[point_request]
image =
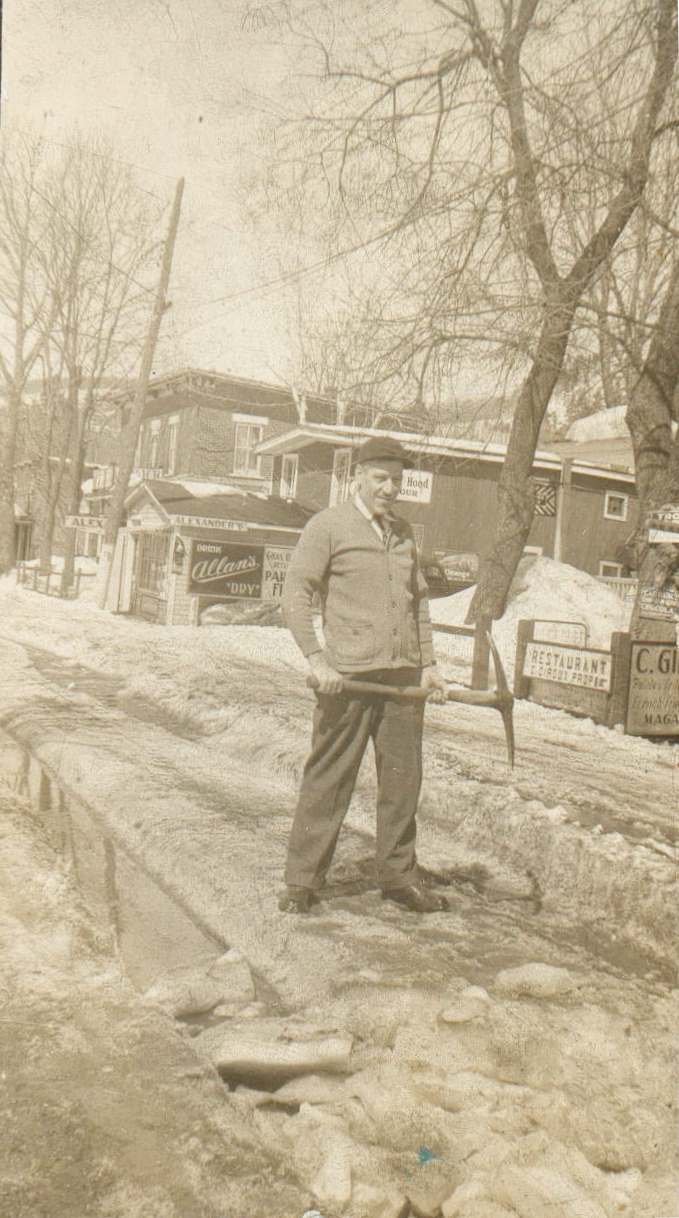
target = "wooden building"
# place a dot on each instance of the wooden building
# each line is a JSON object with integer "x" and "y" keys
{"x": 209, "y": 425}
{"x": 585, "y": 511}
{"x": 190, "y": 544}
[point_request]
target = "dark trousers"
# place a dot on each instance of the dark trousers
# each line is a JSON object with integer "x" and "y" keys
{"x": 342, "y": 727}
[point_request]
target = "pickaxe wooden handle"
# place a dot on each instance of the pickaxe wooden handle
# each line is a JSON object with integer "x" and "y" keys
{"x": 500, "y": 698}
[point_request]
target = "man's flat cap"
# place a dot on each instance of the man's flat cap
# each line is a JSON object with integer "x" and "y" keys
{"x": 383, "y": 449}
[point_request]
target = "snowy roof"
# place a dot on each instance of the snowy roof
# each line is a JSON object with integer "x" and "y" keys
{"x": 349, "y": 437}
{"x": 222, "y": 502}
{"x": 603, "y": 424}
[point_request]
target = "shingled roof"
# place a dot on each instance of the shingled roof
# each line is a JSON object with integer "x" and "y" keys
{"x": 176, "y": 497}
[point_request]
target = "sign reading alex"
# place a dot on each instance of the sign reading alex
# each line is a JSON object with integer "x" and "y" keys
{"x": 568, "y": 665}
{"x": 653, "y": 701}
{"x": 225, "y": 568}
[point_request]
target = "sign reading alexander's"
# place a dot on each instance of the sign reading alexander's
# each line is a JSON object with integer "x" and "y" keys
{"x": 225, "y": 568}
{"x": 568, "y": 665}
{"x": 653, "y": 701}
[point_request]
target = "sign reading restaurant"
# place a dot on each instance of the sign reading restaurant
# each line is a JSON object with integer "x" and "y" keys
{"x": 653, "y": 699}
{"x": 234, "y": 569}
{"x": 568, "y": 665}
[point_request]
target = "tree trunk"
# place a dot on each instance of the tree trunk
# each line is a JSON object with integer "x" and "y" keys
{"x": 8, "y": 439}
{"x": 73, "y": 502}
{"x": 516, "y": 491}
{"x": 47, "y": 534}
{"x": 128, "y": 439}
{"x": 656, "y": 454}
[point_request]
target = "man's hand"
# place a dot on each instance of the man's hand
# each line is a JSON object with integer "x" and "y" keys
{"x": 431, "y": 679}
{"x": 329, "y": 680}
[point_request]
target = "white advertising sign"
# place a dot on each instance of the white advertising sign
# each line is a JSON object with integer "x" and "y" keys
{"x": 416, "y": 485}
{"x": 568, "y": 665}
{"x": 85, "y": 522}
{"x": 209, "y": 522}
{"x": 276, "y": 562}
{"x": 573, "y": 633}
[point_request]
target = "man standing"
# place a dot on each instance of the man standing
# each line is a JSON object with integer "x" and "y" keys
{"x": 362, "y": 561}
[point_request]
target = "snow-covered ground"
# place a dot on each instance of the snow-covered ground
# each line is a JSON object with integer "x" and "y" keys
{"x": 188, "y": 743}
{"x": 547, "y": 591}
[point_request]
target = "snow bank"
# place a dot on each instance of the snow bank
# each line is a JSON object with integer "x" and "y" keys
{"x": 544, "y": 589}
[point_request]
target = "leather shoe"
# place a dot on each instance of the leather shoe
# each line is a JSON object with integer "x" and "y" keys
{"x": 416, "y": 898}
{"x": 296, "y": 900}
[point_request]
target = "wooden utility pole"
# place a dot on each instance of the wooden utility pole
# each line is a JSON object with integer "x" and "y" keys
{"x": 128, "y": 442}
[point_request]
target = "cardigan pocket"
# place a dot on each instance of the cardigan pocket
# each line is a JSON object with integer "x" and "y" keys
{"x": 352, "y": 640}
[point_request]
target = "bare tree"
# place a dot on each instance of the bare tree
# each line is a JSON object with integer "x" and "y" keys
{"x": 97, "y": 246}
{"x": 24, "y": 306}
{"x": 475, "y": 156}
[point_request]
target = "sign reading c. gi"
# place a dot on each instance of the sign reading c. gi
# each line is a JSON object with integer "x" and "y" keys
{"x": 653, "y": 700}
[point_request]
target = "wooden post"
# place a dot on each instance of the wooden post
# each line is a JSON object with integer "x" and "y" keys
{"x": 35, "y": 579}
{"x": 481, "y": 657}
{"x": 563, "y": 495}
{"x": 129, "y": 438}
{"x": 621, "y": 658}
{"x": 524, "y": 636}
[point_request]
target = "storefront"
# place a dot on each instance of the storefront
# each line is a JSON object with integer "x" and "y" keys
{"x": 189, "y": 545}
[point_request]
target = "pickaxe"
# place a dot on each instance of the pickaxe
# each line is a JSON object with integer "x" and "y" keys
{"x": 500, "y": 698}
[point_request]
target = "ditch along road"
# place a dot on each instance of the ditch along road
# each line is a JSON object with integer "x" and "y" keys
{"x": 569, "y": 861}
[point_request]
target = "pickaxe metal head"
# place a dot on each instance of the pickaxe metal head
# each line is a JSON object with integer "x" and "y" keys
{"x": 500, "y": 698}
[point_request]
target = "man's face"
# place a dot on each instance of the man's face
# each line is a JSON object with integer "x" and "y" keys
{"x": 379, "y": 484}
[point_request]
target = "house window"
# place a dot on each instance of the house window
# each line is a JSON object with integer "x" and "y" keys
{"x": 246, "y": 438}
{"x": 341, "y": 476}
{"x": 172, "y": 429}
{"x": 289, "y": 475}
{"x": 615, "y": 506}
{"x": 155, "y": 439}
{"x": 610, "y": 570}
{"x": 152, "y": 558}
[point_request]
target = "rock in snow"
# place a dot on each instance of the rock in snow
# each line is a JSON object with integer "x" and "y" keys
{"x": 310, "y": 1089}
{"x": 535, "y": 981}
{"x": 253, "y": 1051}
{"x": 195, "y": 991}
{"x": 374, "y": 1202}
{"x": 537, "y": 1192}
{"x": 233, "y": 973}
{"x": 190, "y": 993}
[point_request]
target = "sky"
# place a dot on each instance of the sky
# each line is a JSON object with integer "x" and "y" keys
{"x": 180, "y": 87}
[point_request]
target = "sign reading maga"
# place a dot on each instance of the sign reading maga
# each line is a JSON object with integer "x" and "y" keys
{"x": 653, "y": 699}
{"x": 568, "y": 665}
{"x": 228, "y": 569}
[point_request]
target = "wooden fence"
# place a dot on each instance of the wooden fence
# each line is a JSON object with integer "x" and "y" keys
{"x": 625, "y": 589}
{"x": 49, "y": 583}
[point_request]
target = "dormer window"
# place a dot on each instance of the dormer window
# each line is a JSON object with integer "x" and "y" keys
{"x": 289, "y": 467}
{"x": 248, "y": 433}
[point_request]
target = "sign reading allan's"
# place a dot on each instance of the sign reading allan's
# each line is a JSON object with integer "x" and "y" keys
{"x": 568, "y": 665}
{"x": 653, "y": 700}
{"x": 224, "y": 568}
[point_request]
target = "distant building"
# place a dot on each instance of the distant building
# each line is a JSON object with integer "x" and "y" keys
{"x": 585, "y": 510}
